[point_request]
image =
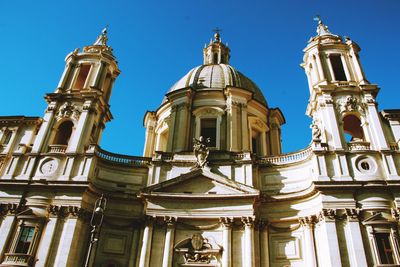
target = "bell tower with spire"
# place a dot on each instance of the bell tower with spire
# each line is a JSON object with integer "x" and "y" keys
{"x": 78, "y": 109}
{"x": 342, "y": 102}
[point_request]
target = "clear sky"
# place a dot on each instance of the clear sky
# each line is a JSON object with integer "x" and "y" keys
{"x": 157, "y": 42}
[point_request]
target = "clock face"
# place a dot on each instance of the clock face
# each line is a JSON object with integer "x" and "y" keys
{"x": 49, "y": 166}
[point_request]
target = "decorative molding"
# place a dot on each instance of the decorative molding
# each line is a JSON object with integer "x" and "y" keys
{"x": 248, "y": 222}
{"x": 327, "y": 215}
{"x": 68, "y": 110}
{"x": 309, "y": 221}
{"x": 226, "y": 222}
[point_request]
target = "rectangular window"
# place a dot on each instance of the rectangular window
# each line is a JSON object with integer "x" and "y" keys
{"x": 384, "y": 248}
{"x": 209, "y": 130}
{"x": 25, "y": 239}
{"x": 337, "y": 66}
{"x": 82, "y": 76}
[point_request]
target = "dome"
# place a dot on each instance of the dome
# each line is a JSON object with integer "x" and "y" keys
{"x": 218, "y": 76}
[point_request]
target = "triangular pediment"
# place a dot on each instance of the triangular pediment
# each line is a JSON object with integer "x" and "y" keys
{"x": 198, "y": 182}
{"x": 378, "y": 218}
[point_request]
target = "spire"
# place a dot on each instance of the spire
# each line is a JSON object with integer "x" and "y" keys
{"x": 102, "y": 39}
{"x": 322, "y": 29}
{"x": 216, "y": 52}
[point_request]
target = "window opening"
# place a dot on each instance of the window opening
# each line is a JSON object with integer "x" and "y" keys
{"x": 337, "y": 66}
{"x": 162, "y": 141}
{"x": 365, "y": 166}
{"x": 7, "y": 137}
{"x": 384, "y": 248}
{"x": 63, "y": 134}
{"x": 82, "y": 76}
{"x": 352, "y": 129}
{"x": 25, "y": 239}
{"x": 215, "y": 58}
{"x": 209, "y": 130}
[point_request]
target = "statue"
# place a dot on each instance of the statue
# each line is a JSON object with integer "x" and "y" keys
{"x": 201, "y": 151}
{"x": 102, "y": 39}
{"x": 316, "y": 132}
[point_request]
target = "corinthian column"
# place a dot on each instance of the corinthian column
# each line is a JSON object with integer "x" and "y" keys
{"x": 249, "y": 241}
{"x": 169, "y": 241}
{"x": 226, "y": 241}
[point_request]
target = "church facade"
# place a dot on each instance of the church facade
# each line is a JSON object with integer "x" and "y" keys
{"x": 212, "y": 187}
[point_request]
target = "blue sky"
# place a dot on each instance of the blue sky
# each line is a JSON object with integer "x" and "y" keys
{"x": 157, "y": 42}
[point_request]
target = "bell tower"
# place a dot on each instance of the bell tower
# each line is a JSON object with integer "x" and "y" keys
{"x": 78, "y": 109}
{"x": 342, "y": 102}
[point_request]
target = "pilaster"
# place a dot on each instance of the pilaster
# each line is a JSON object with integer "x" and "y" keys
{"x": 308, "y": 224}
{"x": 226, "y": 241}
{"x": 248, "y": 223}
{"x": 355, "y": 247}
{"x": 327, "y": 243}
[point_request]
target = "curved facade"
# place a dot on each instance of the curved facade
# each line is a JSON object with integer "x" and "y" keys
{"x": 235, "y": 200}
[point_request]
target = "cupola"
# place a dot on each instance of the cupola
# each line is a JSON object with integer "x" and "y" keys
{"x": 216, "y": 52}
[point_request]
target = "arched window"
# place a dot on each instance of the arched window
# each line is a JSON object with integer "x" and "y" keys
{"x": 352, "y": 129}
{"x": 63, "y": 134}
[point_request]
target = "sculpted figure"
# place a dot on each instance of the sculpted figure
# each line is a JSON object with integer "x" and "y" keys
{"x": 316, "y": 132}
{"x": 201, "y": 151}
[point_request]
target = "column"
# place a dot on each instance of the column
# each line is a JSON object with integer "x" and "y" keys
{"x": 64, "y": 76}
{"x": 264, "y": 243}
{"x": 226, "y": 241}
{"x": 181, "y": 137}
{"x": 376, "y": 125}
{"x": 245, "y": 130}
{"x": 249, "y": 241}
{"x": 146, "y": 243}
{"x": 233, "y": 125}
{"x": 171, "y": 129}
{"x": 332, "y": 123}
{"x": 356, "y": 250}
{"x": 82, "y": 129}
{"x": 134, "y": 247}
{"x": 169, "y": 241}
{"x": 308, "y": 224}
{"x": 319, "y": 67}
{"x": 327, "y": 243}
{"x": 45, "y": 129}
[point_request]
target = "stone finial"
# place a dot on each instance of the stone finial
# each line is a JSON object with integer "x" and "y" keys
{"x": 322, "y": 29}
{"x": 102, "y": 39}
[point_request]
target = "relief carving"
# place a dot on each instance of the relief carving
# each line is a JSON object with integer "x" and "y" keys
{"x": 201, "y": 151}
{"x": 68, "y": 110}
{"x": 197, "y": 250}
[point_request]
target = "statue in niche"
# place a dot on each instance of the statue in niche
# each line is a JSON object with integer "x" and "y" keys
{"x": 201, "y": 151}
